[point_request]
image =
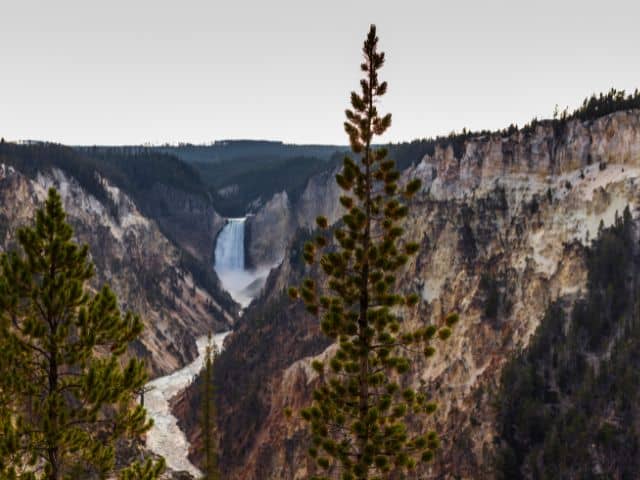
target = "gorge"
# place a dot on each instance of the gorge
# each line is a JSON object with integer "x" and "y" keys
{"x": 165, "y": 437}
{"x": 506, "y": 223}
{"x": 337, "y": 240}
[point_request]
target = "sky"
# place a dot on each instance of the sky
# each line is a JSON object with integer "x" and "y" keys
{"x": 137, "y": 71}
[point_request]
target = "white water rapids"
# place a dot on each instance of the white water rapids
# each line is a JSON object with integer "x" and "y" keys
{"x": 165, "y": 437}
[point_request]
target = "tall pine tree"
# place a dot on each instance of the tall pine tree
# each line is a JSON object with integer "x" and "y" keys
{"x": 361, "y": 409}
{"x": 209, "y": 430}
{"x": 68, "y": 396}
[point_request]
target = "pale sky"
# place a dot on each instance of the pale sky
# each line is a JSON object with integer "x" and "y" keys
{"x": 133, "y": 71}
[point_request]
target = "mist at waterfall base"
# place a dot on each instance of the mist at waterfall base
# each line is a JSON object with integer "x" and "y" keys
{"x": 243, "y": 285}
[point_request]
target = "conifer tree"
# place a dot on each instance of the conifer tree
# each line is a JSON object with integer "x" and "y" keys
{"x": 67, "y": 395}
{"x": 147, "y": 470}
{"x": 209, "y": 430}
{"x": 361, "y": 409}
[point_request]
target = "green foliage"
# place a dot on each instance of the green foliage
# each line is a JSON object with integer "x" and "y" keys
{"x": 257, "y": 178}
{"x": 604, "y": 104}
{"x": 362, "y": 409}
{"x": 255, "y": 169}
{"x": 138, "y": 169}
{"x": 134, "y": 170}
{"x": 149, "y": 470}
{"x": 249, "y": 150}
{"x": 67, "y": 398}
{"x": 569, "y": 401}
{"x": 39, "y": 157}
{"x": 209, "y": 430}
{"x": 596, "y": 106}
{"x": 592, "y": 108}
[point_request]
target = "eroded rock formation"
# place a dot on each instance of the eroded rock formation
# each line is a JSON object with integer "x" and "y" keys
{"x": 502, "y": 227}
{"x": 146, "y": 270}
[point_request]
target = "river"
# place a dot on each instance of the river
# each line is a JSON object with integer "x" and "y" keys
{"x": 165, "y": 437}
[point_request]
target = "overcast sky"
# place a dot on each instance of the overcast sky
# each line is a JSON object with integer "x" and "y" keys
{"x": 133, "y": 71}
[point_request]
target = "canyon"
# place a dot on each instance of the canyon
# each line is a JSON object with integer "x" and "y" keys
{"x": 504, "y": 221}
{"x": 150, "y": 273}
{"x": 509, "y": 216}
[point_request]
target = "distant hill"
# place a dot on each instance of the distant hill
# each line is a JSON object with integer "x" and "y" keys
{"x": 223, "y": 150}
{"x": 237, "y": 174}
{"x": 244, "y": 174}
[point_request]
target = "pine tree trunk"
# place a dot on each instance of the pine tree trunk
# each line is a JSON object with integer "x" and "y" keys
{"x": 364, "y": 296}
{"x": 53, "y": 448}
{"x": 207, "y": 421}
{"x": 52, "y": 444}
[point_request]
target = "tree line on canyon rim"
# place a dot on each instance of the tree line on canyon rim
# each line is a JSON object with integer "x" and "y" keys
{"x": 205, "y": 170}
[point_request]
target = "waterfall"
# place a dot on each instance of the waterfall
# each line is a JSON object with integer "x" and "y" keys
{"x": 230, "y": 246}
{"x": 242, "y": 284}
{"x": 229, "y": 258}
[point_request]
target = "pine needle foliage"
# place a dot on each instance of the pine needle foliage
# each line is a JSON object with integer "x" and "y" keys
{"x": 209, "y": 430}
{"x": 147, "y": 470}
{"x": 362, "y": 408}
{"x": 68, "y": 398}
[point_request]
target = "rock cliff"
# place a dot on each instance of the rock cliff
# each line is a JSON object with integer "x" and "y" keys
{"x": 148, "y": 272}
{"x": 265, "y": 232}
{"x": 502, "y": 226}
{"x": 189, "y": 220}
{"x": 275, "y": 224}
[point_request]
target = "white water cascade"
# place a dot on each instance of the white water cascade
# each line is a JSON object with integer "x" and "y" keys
{"x": 242, "y": 284}
{"x": 230, "y": 246}
{"x": 165, "y": 437}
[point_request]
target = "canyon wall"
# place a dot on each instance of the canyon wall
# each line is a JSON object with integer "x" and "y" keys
{"x": 275, "y": 224}
{"x": 149, "y": 273}
{"x": 506, "y": 219}
{"x": 189, "y": 220}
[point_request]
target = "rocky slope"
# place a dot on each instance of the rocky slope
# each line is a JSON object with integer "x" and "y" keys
{"x": 502, "y": 225}
{"x": 150, "y": 274}
{"x": 265, "y": 240}
{"x": 567, "y": 406}
{"x": 271, "y": 229}
{"x": 190, "y": 220}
